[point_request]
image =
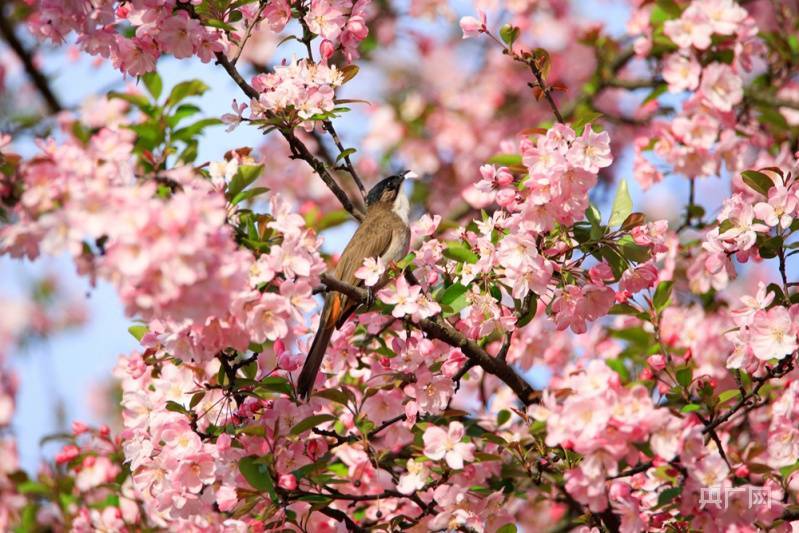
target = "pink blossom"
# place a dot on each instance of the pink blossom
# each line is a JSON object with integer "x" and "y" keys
{"x": 371, "y": 271}
{"x": 721, "y": 87}
{"x": 591, "y": 151}
{"x": 772, "y": 334}
{"x": 681, "y": 72}
{"x": 446, "y": 444}
{"x": 415, "y": 478}
{"x": 693, "y": 28}
{"x": 472, "y": 27}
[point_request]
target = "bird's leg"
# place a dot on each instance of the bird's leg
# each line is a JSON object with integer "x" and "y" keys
{"x": 370, "y": 297}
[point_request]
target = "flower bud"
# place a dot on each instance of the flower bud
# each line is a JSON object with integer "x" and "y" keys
{"x": 287, "y": 481}
{"x": 657, "y": 362}
{"x": 326, "y": 49}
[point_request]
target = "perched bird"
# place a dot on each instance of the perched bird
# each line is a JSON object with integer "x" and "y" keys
{"x": 384, "y": 233}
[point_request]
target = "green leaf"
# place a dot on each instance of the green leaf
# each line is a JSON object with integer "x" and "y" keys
{"x": 249, "y": 193}
{"x": 138, "y": 331}
{"x": 684, "y": 376}
{"x": 728, "y": 395}
{"x": 531, "y": 304}
{"x": 244, "y": 177}
{"x": 181, "y": 112}
{"x": 664, "y": 10}
{"x": 655, "y": 93}
{"x": 153, "y": 83}
{"x": 454, "y": 297}
{"x": 757, "y": 181}
{"x": 193, "y": 130}
{"x": 184, "y": 90}
{"x": 458, "y": 251}
{"x": 406, "y": 261}
{"x": 618, "y": 366}
{"x": 503, "y": 416}
{"x": 632, "y": 251}
{"x": 334, "y": 395}
{"x": 257, "y": 474}
{"x": 507, "y": 528}
{"x": 196, "y": 399}
{"x": 189, "y": 154}
{"x": 584, "y": 116}
{"x": 622, "y": 205}
{"x": 662, "y": 295}
{"x": 668, "y": 495}
{"x": 786, "y": 471}
{"x": 690, "y": 408}
{"x": 137, "y": 100}
{"x": 506, "y": 160}
{"x": 32, "y": 487}
{"x": 216, "y": 23}
{"x": 623, "y": 309}
{"x": 508, "y": 34}
{"x": 345, "y": 153}
{"x": 310, "y": 422}
{"x": 175, "y": 407}
{"x": 593, "y": 216}
{"x": 276, "y": 384}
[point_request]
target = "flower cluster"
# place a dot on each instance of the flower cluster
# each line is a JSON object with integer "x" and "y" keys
{"x": 300, "y": 87}
{"x": 160, "y": 28}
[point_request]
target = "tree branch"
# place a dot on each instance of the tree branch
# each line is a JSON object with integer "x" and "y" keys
{"x": 439, "y": 329}
{"x": 35, "y": 75}
{"x": 298, "y": 148}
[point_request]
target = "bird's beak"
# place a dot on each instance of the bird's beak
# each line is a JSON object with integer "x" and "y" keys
{"x": 410, "y": 175}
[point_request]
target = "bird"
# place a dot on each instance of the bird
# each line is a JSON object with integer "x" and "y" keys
{"x": 384, "y": 233}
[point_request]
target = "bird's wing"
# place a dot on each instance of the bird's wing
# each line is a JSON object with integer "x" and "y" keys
{"x": 372, "y": 238}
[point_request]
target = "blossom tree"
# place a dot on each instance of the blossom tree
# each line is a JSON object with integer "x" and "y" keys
{"x": 671, "y": 343}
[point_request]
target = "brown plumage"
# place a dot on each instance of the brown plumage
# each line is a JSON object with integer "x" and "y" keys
{"x": 383, "y": 233}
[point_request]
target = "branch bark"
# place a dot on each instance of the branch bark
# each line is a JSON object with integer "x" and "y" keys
{"x": 437, "y": 328}
{"x": 37, "y": 78}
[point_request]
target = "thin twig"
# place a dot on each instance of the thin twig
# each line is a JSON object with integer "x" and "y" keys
{"x": 298, "y": 148}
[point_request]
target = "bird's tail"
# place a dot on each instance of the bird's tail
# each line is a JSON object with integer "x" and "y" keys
{"x": 327, "y": 324}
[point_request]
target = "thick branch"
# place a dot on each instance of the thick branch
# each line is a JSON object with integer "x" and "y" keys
{"x": 36, "y": 76}
{"x": 439, "y": 329}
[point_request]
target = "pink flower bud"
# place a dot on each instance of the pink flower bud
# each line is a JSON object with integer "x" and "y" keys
{"x": 79, "y": 428}
{"x": 506, "y": 197}
{"x": 326, "y": 49}
{"x": 287, "y": 482}
{"x": 742, "y": 471}
{"x": 104, "y": 431}
{"x": 67, "y": 453}
{"x": 472, "y": 27}
{"x": 503, "y": 177}
{"x": 279, "y": 347}
{"x": 347, "y": 419}
{"x": 223, "y": 442}
{"x": 657, "y": 362}
{"x": 619, "y": 491}
{"x": 288, "y": 362}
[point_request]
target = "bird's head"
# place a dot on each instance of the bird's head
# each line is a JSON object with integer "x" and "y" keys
{"x": 387, "y": 190}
